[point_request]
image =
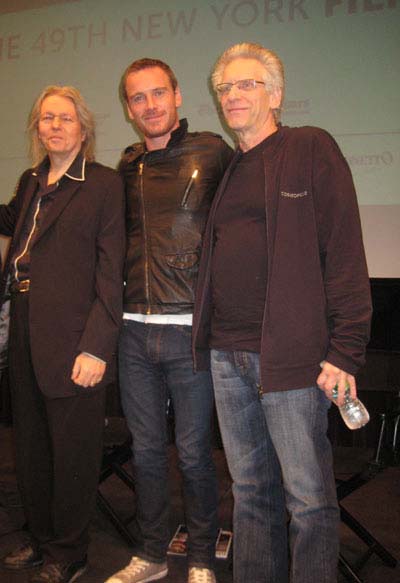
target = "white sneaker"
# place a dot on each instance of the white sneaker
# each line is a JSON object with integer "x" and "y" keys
{"x": 201, "y": 575}
{"x": 140, "y": 571}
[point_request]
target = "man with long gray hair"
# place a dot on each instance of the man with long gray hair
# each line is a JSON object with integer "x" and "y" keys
{"x": 64, "y": 271}
{"x": 286, "y": 210}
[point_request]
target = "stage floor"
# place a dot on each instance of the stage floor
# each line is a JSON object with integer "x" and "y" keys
{"x": 376, "y": 505}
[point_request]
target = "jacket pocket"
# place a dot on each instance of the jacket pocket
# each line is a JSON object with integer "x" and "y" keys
{"x": 182, "y": 260}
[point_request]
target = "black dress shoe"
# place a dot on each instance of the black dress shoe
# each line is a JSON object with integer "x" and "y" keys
{"x": 60, "y": 572}
{"x": 25, "y": 557}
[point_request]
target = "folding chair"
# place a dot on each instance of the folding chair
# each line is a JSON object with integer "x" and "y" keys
{"x": 346, "y": 487}
{"x": 117, "y": 451}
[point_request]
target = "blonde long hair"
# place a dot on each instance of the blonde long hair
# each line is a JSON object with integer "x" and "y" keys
{"x": 36, "y": 149}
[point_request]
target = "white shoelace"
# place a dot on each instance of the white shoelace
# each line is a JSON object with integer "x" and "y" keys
{"x": 137, "y": 565}
{"x": 198, "y": 575}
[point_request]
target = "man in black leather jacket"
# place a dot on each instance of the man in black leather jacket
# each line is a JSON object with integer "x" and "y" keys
{"x": 170, "y": 181}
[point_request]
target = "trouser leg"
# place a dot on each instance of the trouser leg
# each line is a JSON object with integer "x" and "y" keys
{"x": 76, "y": 426}
{"x": 144, "y": 400}
{"x": 58, "y": 450}
{"x": 297, "y": 422}
{"x": 193, "y": 400}
{"x": 32, "y": 440}
{"x": 259, "y": 522}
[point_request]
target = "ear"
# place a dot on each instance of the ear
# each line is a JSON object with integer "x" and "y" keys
{"x": 178, "y": 97}
{"x": 130, "y": 114}
{"x": 275, "y": 98}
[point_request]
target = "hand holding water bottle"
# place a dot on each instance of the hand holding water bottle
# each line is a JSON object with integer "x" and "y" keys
{"x": 340, "y": 387}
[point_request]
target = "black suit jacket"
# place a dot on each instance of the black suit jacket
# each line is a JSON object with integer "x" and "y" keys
{"x": 75, "y": 297}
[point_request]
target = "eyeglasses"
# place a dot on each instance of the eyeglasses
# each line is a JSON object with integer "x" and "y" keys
{"x": 242, "y": 84}
{"x": 64, "y": 118}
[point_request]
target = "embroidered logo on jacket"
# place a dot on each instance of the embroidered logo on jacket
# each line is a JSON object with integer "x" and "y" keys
{"x": 294, "y": 194}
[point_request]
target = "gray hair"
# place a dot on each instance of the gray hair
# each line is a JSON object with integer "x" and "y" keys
{"x": 274, "y": 76}
{"x": 86, "y": 119}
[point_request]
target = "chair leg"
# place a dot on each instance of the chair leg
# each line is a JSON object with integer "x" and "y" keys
{"x": 396, "y": 427}
{"x": 124, "y": 476}
{"x": 373, "y": 545}
{"x": 113, "y": 459}
{"x": 348, "y": 570}
{"x": 377, "y": 459}
{"x": 106, "y": 508}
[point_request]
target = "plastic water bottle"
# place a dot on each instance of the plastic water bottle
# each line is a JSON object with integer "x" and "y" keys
{"x": 353, "y": 412}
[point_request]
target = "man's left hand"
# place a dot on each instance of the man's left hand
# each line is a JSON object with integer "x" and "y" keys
{"x": 331, "y": 376}
{"x": 87, "y": 371}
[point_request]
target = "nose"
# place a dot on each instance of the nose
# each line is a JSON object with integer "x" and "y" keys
{"x": 234, "y": 93}
{"x": 150, "y": 104}
{"x": 56, "y": 123}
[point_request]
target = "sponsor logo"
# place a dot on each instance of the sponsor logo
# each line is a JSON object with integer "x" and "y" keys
{"x": 294, "y": 194}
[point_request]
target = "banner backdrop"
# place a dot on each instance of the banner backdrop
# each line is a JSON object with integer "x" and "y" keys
{"x": 342, "y": 61}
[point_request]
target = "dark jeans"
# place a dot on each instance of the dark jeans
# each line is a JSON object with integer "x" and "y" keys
{"x": 280, "y": 461}
{"x": 155, "y": 362}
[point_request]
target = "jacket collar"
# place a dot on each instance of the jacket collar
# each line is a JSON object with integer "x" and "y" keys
{"x": 75, "y": 172}
{"x": 137, "y": 150}
{"x": 179, "y": 133}
{"x": 270, "y": 142}
{"x": 71, "y": 185}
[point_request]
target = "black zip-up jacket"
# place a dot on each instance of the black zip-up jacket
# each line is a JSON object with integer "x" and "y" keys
{"x": 166, "y": 215}
{"x": 317, "y": 304}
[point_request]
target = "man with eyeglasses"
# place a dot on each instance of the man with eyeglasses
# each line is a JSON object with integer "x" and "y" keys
{"x": 170, "y": 180}
{"x": 64, "y": 275}
{"x": 282, "y": 290}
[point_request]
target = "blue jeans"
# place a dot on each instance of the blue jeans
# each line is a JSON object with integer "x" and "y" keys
{"x": 286, "y": 515}
{"x": 155, "y": 363}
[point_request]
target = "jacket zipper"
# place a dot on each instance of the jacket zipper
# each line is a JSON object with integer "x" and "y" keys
{"x": 269, "y": 263}
{"x": 145, "y": 240}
